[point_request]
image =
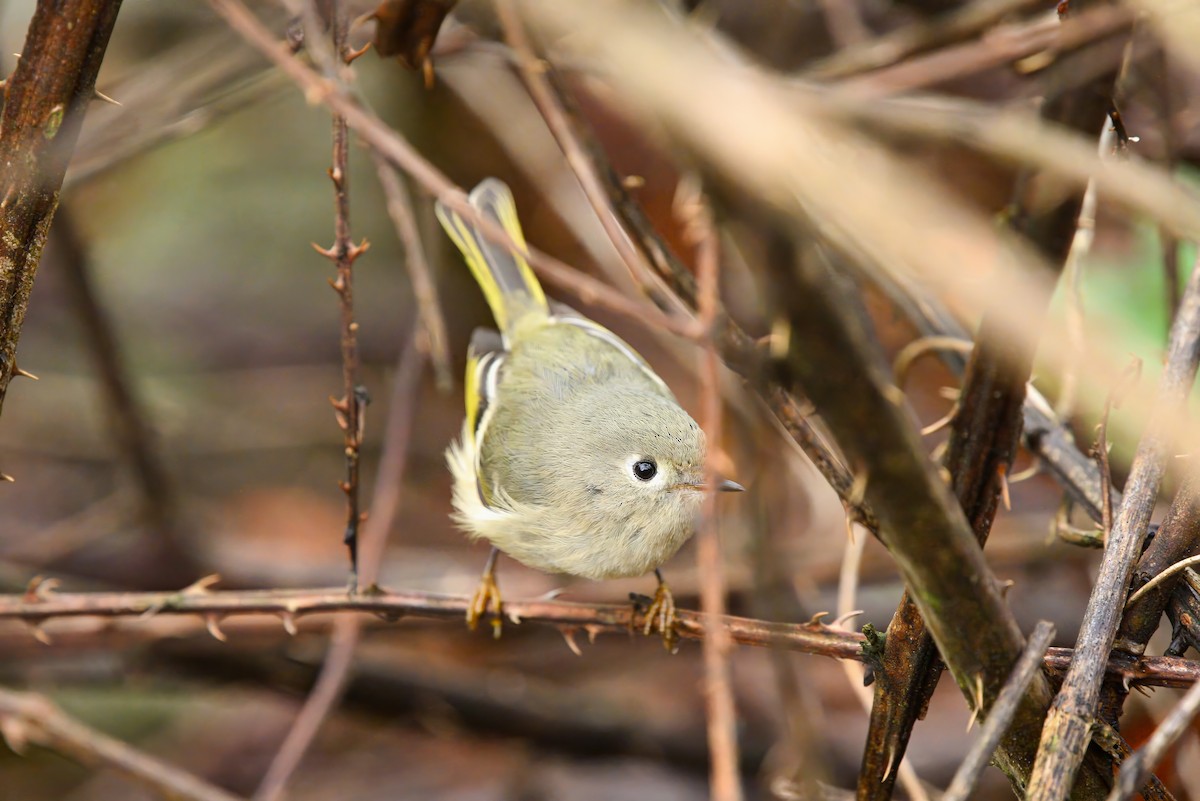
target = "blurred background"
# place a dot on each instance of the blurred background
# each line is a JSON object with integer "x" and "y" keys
{"x": 185, "y": 232}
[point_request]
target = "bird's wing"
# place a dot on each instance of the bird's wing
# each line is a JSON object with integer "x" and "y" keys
{"x": 485, "y": 360}
{"x": 565, "y": 315}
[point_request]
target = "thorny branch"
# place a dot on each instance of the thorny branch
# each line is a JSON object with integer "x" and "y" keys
{"x": 350, "y": 409}
{"x": 1068, "y": 727}
{"x": 44, "y": 102}
{"x": 985, "y": 432}
{"x": 39, "y": 607}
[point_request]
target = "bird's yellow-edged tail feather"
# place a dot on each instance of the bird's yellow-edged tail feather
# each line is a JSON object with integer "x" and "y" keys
{"x": 508, "y": 283}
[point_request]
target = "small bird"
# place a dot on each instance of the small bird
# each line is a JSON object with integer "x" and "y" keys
{"x": 574, "y": 456}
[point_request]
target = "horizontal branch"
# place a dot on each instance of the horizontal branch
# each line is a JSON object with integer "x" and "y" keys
{"x": 38, "y": 606}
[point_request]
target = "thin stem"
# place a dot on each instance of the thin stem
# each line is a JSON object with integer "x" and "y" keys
{"x": 29, "y": 718}
{"x": 722, "y": 716}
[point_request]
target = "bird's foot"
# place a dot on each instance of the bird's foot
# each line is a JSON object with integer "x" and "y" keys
{"x": 486, "y": 595}
{"x": 661, "y": 615}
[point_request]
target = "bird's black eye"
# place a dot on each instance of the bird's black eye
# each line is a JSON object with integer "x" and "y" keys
{"x": 645, "y": 469}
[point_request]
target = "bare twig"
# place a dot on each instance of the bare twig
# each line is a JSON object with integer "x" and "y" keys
{"x": 722, "y": 716}
{"x": 27, "y": 718}
{"x": 350, "y": 409}
{"x": 40, "y": 608}
{"x": 1001, "y": 714}
{"x": 399, "y": 152}
{"x": 1068, "y": 727}
{"x": 44, "y": 103}
{"x": 1178, "y": 538}
{"x": 400, "y": 209}
{"x": 1136, "y": 770}
{"x": 890, "y": 48}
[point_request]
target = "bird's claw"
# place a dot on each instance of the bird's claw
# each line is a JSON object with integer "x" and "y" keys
{"x": 486, "y": 595}
{"x": 661, "y": 615}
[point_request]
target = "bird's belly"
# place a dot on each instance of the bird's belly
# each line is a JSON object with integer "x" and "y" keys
{"x": 580, "y": 551}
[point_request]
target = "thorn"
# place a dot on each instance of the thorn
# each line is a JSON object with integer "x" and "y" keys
{"x": 941, "y": 422}
{"x": 7, "y": 477}
{"x": 98, "y": 95}
{"x": 39, "y": 633}
{"x": 858, "y": 489}
{"x": 633, "y": 182}
{"x": 1004, "y": 496}
{"x": 341, "y": 404}
{"x": 427, "y": 72}
{"x": 551, "y": 595}
{"x": 354, "y": 55}
{"x": 354, "y": 251}
{"x": 568, "y": 634}
{"x": 289, "y": 622}
{"x": 335, "y": 175}
{"x": 848, "y": 616}
{"x": 946, "y": 475}
{"x": 891, "y": 761}
{"x": 894, "y": 394}
{"x": 40, "y": 589}
{"x": 815, "y": 620}
{"x": 978, "y": 705}
{"x": 328, "y": 253}
{"x": 201, "y": 585}
{"x": 592, "y": 631}
{"x": 25, "y": 373}
{"x": 212, "y": 622}
{"x": 514, "y": 616}
{"x": 1005, "y": 586}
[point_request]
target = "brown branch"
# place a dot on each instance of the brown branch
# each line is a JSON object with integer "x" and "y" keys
{"x": 1177, "y": 538}
{"x": 37, "y": 608}
{"x": 985, "y": 433}
{"x": 44, "y": 102}
{"x": 1068, "y": 726}
{"x": 922, "y": 523}
{"x": 1001, "y": 714}
{"x": 27, "y": 718}
{"x": 350, "y": 409}
{"x": 721, "y": 714}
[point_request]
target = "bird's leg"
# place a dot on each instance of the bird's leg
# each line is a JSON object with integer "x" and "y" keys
{"x": 487, "y": 594}
{"x": 661, "y": 614}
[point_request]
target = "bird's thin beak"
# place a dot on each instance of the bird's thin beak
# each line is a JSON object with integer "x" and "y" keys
{"x": 730, "y": 486}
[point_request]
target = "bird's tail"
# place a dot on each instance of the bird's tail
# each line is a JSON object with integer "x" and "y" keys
{"x": 507, "y": 281}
